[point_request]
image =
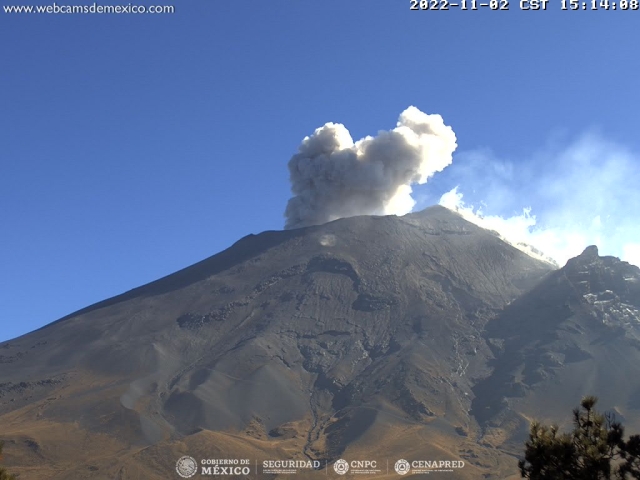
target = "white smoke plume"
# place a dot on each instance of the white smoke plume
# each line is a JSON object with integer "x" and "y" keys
{"x": 558, "y": 200}
{"x": 332, "y": 177}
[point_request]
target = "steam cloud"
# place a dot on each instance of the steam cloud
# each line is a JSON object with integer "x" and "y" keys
{"x": 558, "y": 200}
{"x": 551, "y": 204}
{"x": 332, "y": 177}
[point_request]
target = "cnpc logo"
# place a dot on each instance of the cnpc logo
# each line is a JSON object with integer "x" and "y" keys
{"x": 342, "y": 466}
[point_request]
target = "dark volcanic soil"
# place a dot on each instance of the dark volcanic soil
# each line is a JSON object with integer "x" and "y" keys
{"x": 421, "y": 335}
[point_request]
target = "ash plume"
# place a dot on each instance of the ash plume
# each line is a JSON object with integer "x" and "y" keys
{"x": 334, "y": 177}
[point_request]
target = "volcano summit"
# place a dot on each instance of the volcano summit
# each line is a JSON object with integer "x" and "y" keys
{"x": 421, "y": 337}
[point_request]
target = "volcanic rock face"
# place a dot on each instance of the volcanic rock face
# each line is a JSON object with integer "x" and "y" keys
{"x": 382, "y": 337}
{"x": 577, "y": 332}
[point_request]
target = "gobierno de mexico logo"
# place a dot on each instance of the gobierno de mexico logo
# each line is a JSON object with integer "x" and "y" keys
{"x": 186, "y": 466}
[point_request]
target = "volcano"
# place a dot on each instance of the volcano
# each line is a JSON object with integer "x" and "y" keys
{"x": 422, "y": 337}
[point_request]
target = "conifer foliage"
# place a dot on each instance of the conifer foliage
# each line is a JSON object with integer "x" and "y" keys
{"x": 594, "y": 450}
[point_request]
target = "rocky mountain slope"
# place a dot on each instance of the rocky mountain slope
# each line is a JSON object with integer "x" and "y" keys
{"x": 420, "y": 336}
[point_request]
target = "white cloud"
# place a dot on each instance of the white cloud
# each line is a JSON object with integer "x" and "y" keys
{"x": 559, "y": 200}
{"x": 334, "y": 177}
{"x": 631, "y": 253}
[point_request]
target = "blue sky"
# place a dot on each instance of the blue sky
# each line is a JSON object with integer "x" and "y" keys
{"x": 135, "y": 145}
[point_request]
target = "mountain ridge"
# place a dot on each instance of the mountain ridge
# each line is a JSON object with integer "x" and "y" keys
{"x": 321, "y": 342}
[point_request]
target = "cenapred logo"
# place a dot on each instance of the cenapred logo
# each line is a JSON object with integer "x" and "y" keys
{"x": 402, "y": 467}
{"x": 341, "y": 466}
{"x": 186, "y": 466}
{"x": 419, "y": 467}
